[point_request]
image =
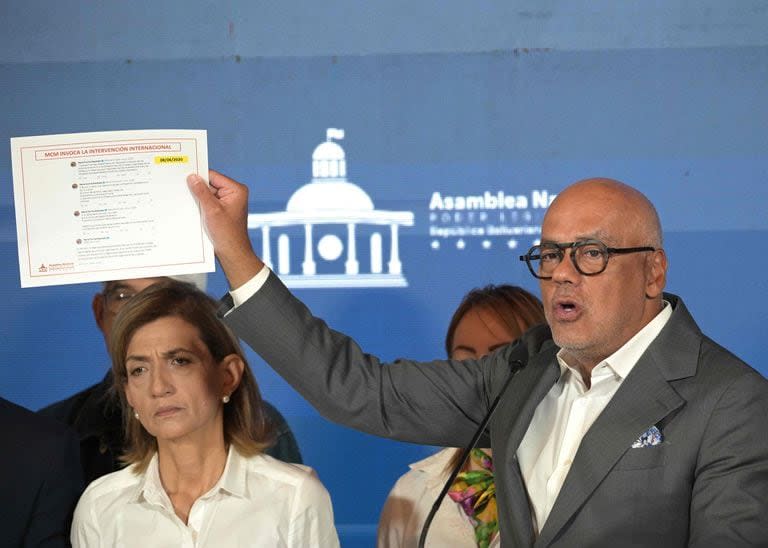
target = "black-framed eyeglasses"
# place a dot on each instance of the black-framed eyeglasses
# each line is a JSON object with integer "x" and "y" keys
{"x": 590, "y": 257}
{"x": 116, "y": 297}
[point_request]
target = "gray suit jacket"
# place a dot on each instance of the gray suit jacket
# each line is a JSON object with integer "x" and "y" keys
{"x": 706, "y": 484}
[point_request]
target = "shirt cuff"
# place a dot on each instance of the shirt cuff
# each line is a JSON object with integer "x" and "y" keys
{"x": 249, "y": 288}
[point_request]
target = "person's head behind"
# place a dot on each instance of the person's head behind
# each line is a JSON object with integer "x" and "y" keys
{"x": 244, "y": 423}
{"x": 116, "y": 293}
{"x": 489, "y": 317}
{"x": 593, "y": 314}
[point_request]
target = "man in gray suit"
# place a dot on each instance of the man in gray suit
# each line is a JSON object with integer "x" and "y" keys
{"x": 626, "y": 427}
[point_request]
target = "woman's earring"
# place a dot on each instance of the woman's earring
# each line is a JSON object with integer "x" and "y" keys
{"x": 225, "y": 399}
{"x": 136, "y": 414}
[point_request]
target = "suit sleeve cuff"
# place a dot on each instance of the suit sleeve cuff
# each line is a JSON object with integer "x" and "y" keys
{"x": 249, "y": 288}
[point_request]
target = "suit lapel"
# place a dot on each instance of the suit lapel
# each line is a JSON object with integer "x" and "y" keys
{"x": 532, "y": 384}
{"x": 517, "y": 408}
{"x": 644, "y": 398}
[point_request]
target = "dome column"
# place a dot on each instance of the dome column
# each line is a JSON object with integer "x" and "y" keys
{"x": 394, "y": 265}
{"x": 308, "y": 267}
{"x": 352, "y": 266}
{"x": 266, "y": 255}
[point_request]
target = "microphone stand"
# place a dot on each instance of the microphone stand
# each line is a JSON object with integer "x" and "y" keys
{"x": 517, "y": 365}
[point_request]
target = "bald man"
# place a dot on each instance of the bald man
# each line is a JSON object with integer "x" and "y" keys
{"x": 626, "y": 427}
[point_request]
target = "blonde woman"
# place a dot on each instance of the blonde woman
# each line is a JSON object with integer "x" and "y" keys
{"x": 487, "y": 318}
{"x": 196, "y": 474}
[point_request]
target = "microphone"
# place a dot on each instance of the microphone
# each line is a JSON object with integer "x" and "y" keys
{"x": 516, "y": 366}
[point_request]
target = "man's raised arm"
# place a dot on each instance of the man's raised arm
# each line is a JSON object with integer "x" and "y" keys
{"x": 433, "y": 403}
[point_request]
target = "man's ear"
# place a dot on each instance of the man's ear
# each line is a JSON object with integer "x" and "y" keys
{"x": 656, "y": 274}
{"x": 99, "y": 308}
{"x": 231, "y": 370}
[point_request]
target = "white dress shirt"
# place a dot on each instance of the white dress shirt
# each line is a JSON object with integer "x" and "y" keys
{"x": 566, "y": 413}
{"x": 249, "y": 288}
{"x": 258, "y": 501}
{"x": 410, "y": 501}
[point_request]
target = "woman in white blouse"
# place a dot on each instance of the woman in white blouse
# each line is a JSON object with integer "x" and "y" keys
{"x": 486, "y": 319}
{"x": 196, "y": 474}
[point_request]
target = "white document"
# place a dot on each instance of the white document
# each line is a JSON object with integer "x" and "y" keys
{"x": 109, "y": 205}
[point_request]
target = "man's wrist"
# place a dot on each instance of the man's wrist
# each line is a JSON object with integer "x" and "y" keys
{"x": 240, "y": 268}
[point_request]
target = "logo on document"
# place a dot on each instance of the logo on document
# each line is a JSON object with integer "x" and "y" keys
{"x": 330, "y": 234}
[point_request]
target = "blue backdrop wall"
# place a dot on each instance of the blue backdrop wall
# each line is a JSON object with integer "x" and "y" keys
{"x": 438, "y": 100}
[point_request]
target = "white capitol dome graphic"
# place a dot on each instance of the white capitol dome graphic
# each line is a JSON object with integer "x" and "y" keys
{"x": 325, "y": 206}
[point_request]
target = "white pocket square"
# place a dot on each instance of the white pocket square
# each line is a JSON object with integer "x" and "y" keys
{"x": 649, "y": 438}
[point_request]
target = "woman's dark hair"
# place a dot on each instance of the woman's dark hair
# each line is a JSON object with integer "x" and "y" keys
{"x": 516, "y": 307}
